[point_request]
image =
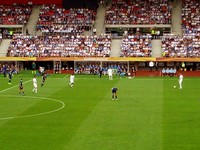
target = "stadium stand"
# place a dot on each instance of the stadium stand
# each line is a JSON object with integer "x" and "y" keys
{"x": 191, "y": 16}
{"x": 139, "y": 12}
{"x": 136, "y": 46}
{"x": 62, "y": 31}
{"x": 62, "y": 46}
{"x": 15, "y": 14}
{"x": 55, "y": 19}
{"x": 187, "y": 45}
{"x": 181, "y": 46}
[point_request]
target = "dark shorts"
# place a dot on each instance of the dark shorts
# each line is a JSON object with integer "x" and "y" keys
{"x": 114, "y": 91}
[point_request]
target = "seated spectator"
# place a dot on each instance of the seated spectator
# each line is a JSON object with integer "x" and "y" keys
{"x": 163, "y": 72}
{"x": 167, "y": 72}
{"x": 174, "y": 71}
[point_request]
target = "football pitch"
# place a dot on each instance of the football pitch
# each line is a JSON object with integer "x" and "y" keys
{"x": 150, "y": 114}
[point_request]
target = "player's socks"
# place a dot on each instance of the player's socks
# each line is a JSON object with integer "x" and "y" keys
{"x": 9, "y": 81}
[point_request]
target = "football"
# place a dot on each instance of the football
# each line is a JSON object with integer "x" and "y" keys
{"x": 174, "y": 86}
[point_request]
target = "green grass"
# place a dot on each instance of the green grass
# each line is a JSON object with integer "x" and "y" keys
{"x": 149, "y": 115}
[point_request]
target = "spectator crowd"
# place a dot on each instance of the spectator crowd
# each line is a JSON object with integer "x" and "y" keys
{"x": 181, "y": 46}
{"x": 136, "y": 46}
{"x": 139, "y": 12}
{"x": 15, "y": 14}
{"x": 62, "y": 30}
{"x": 187, "y": 45}
{"x": 62, "y": 46}
{"x": 191, "y": 16}
{"x": 55, "y": 19}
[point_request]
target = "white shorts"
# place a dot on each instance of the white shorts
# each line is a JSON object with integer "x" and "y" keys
{"x": 35, "y": 85}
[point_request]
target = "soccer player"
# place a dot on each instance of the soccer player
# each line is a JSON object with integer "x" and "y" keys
{"x": 43, "y": 79}
{"x": 33, "y": 68}
{"x": 110, "y": 74}
{"x": 114, "y": 93}
{"x": 180, "y": 81}
{"x": 34, "y": 84}
{"x": 5, "y": 70}
{"x": 21, "y": 92}
{"x": 41, "y": 70}
{"x": 100, "y": 71}
{"x": 71, "y": 80}
{"x": 10, "y": 76}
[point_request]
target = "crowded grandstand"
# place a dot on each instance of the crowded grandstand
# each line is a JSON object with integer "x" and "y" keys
{"x": 119, "y": 29}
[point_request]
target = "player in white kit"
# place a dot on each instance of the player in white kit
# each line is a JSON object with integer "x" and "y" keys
{"x": 71, "y": 80}
{"x": 180, "y": 81}
{"x": 34, "y": 85}
{"x": 110, "y": 74}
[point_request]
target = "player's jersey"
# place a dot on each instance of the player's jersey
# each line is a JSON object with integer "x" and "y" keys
{"x": 20, "y": 85}
{"x": 34, "y": 81}
{"x": 33, "y": 66}
{"x": 10, "y": 75}
{"x": 109, "y": 71}
{"x": 72, "y": 78}
{"x": 181, "y": 78}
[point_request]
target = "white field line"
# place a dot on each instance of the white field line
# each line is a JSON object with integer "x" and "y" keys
{"x": 66, "y": 76}
{"x": 37, "y": 114}
{"x": 33, "y": 115}
{"x": 13, "y": 86}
